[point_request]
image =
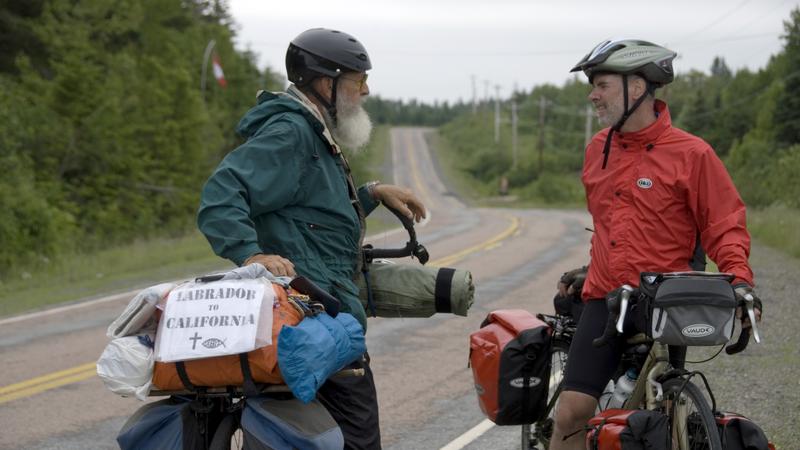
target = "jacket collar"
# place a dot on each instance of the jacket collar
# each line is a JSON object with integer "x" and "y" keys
{"x": 650, "y": 133}
{"x": 298, "y": 96}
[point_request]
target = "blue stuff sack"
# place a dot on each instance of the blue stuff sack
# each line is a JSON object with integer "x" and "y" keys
{"x": 317, "y": 348}
{"x": 289, "y": 425}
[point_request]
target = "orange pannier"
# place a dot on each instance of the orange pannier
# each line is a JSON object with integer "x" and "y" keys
{"x": 219, "y": 371}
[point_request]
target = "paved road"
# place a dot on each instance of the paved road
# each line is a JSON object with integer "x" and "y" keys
{"x": 424, "y": 387}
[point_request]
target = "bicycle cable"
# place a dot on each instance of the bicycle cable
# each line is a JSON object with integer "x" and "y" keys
{"x": 710, "y": 358}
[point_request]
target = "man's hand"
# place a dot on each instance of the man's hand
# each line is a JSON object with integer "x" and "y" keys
{"x": 741, "y": 290}
{"x": 401, "y": 199}
{"x": 276, "y": 264}
{"x": 571, "y": 282}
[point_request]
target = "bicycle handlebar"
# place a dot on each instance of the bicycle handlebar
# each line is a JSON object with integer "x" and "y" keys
{"x": 744, "y": 336}
{"x": 618, "y": 302}
{"x": 412, "y": 247}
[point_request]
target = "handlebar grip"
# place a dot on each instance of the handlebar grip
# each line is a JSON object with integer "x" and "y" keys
{"x": 741, "y": 343}
{"x": 305, "y": 286}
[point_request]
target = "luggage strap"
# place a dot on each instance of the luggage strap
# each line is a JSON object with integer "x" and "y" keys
{"x": 443, "y": 288}
{"x": 183, "y": 375}
{"x": 370, "y": 301}
{"x": 249, "y": 385}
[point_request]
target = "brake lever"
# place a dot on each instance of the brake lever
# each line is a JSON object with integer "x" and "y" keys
{"x": 625, "y": 296}
{"x": 749, "y": 301}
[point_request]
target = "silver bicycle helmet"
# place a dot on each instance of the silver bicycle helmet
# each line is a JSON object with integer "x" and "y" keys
{"x": 628, "y": 57}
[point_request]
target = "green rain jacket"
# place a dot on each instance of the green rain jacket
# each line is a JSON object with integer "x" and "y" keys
{"x": 287, "y": 191}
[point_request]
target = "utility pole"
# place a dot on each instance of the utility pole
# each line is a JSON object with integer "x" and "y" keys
{"x": 513, "y": 134}
{"x": 497, "y": 114}
{"x": 486, "y": 91}
{"x": 588, "y": 131}
{"x": 542, "y": 106}
{"x": 474, "y": 97}
{"x": 206, "y": 55}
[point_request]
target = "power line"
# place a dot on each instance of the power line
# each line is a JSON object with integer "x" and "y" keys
{"x": 719, "y": 19}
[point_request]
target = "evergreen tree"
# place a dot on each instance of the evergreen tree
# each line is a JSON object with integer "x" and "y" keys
{"x": 787, "y": 112}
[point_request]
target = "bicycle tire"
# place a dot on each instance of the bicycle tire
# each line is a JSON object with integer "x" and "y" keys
{"x": 226, "y": 438}
{"x": 537, "y": 435}
{"x": 692, "y": 422}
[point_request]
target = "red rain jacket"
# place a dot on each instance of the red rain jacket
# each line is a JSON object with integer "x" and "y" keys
{"x": 661, "y": 186}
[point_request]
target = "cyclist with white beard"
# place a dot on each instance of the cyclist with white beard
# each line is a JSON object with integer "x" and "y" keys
{"x": 286, "y": 198}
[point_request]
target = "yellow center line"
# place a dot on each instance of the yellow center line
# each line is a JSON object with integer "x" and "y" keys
{"x": 47, "y": 382}
{"x": 491, "y": 243}
{"x": 88, "y": 370}
{"x": 422, "y": 190}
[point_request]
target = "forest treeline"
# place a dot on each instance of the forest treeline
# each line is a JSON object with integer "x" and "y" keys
{"x": 751, "y": 119}
{"x": 105, "y": 134}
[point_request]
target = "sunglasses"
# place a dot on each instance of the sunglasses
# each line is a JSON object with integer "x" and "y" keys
{"x": 360, "y": 82}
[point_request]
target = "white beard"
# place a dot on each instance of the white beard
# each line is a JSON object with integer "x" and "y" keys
{"x": 353, "y": 127}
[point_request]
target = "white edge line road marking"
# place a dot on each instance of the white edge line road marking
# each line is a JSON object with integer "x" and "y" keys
{"x": 474, "y": 433}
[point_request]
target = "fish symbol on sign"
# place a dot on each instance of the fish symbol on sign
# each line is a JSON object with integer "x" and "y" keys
{"x": 213, "y": 343}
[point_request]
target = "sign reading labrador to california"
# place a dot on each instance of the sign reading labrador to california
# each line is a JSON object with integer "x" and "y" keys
{"x": 203, "y": 320}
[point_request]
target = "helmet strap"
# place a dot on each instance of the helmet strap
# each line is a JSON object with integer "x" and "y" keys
{"x": 328, "y": 105}
{"x": 618, "y": 126}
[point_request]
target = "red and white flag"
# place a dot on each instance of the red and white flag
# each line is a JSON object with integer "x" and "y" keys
{"x": 218, "y": 74}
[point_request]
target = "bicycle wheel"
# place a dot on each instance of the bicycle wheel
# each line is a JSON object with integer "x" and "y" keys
{"x": 691, "y": 419}
{"x": 229, "y": 435}
{"x": 537, "y": 435}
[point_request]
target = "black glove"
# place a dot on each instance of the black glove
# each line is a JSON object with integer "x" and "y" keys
{"x": 741, "y": 290}
{"x": 573, "y": 281}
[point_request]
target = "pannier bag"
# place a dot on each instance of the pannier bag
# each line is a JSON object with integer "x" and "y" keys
{"x": 740, "y": 433}
{"x": 692, "y": 311}
{"x": 628, "y": 429}
{"x": 510, "y": 359}
{"x": 275, "y": 424}
{"x": 412, "y": 290}
{"x": 169, "y": 424}
{"x": 260, "y": 364}
{"x": 316, "y": 348}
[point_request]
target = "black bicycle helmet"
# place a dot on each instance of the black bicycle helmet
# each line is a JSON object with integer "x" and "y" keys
{"x": 323, "y": 52}
{"x": 628, "y": 57}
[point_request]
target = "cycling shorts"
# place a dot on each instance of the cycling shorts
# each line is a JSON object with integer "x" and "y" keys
{"x": 589, "y": 368}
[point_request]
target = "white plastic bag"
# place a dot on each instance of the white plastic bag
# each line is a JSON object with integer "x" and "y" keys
{"x": 126, "y": 366}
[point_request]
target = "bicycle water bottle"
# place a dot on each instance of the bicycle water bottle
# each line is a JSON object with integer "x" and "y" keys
{"x": 605, "y": 397}
{"x": 623, "y": 388}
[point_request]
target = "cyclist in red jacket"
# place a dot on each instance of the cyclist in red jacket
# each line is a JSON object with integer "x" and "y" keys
{"x": 650, "y": 189}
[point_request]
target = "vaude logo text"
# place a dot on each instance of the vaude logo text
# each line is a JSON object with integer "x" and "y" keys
{"x": 517, "y": 382}
{"x": 644, "y": 183}
{"x": 698, "y": 330}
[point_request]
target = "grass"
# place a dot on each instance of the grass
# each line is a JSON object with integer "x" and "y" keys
{"x": 777, "y": 227}
{"x": 140, "y": 264}
{"x": 541, "y": 194}
{"x": 108, "y": 271}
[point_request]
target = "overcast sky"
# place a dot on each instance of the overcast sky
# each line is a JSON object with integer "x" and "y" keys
{"x": 430, "y": 49}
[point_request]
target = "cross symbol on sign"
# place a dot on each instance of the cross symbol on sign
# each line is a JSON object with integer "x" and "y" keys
{"x": 194, "y": 340}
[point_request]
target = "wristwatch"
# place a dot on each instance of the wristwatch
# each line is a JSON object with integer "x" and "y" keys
{"x": 371, "y": 189}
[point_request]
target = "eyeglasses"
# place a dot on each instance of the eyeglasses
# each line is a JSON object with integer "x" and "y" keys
{"x": 360, "y": 82}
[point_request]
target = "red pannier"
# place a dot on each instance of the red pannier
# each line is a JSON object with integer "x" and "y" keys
{"x": 510, "y": 359}
{"x": 628, "y": 429}
{"x": 740, "y": 433}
